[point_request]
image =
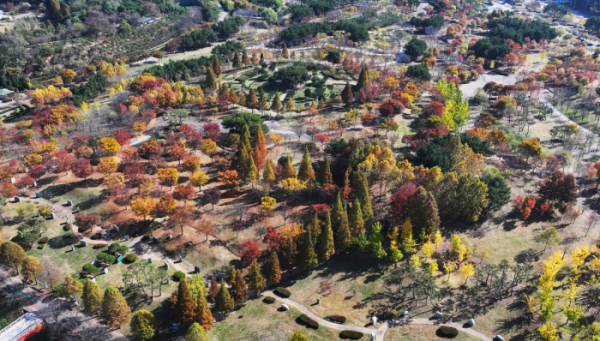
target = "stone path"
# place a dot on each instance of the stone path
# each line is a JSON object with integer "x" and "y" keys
{"x": 380, "y": 333}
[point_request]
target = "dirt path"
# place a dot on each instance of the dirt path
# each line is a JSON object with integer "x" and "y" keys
{"x": 380, "y": 333}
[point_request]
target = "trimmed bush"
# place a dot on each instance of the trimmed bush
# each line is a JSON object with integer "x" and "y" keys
{"x": 337, "y": 319}
{"x": 114, "y": 246}
{"x": 269, "y": 300}
{"x": 308, "y": 321}
{"x": 41, "y": 246}
{"x": 110, "y": 259}
{"x": 130, "y": 258}
{"x": 283, "y": 292}
{"x": 99, "y": 246}
{"x": 101, "y": 257}
{"x": 123, "y": 249}
{"x": 43, "y": 240}
{"x": 446, "y": 331}
{"x": 351, "y": 334}
{"x": 179, "y": 275}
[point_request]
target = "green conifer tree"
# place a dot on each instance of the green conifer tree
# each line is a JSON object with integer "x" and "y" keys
{"x": 272, "y": 269}
{"x": 325, "y": 176}
{"x": 308, "y": 257}
{"x": 306, "y": 172}
{"x": 363, "y": 78}
{"x": 347, "y": 95}
{"x": 343, "y": 238}
{"x": 365, "y": 201}
{"x": 216, "y": 66}
{"x": 257, "y": 282}
{"x": 237, "y": 62}
{"x": 115, "y": 310}
{"x": 288, "y": 170}
{"x": 196, "y": 333}
{"x": 143, "y": 325}
{"x": 262, "y": 99}
{"x": 357, "y": 225}
{"x": 92, "y": 296}
{"x": 326, "y": 243}
{"x": 315, "y": 227}
{"x": 276, "y": 104}
{"x": 223, "y": 300}
{"x": 269, "y": 174}
{"x": 336, "y": 213}
{"x": 183, "y": 310}
{"x": 285, "y": 54}
{"x": 210, "y": 82}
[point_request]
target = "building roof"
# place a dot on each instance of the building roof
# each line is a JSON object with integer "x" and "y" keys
{"x": 4, "y": 92}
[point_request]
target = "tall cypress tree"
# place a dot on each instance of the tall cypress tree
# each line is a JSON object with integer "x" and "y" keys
{"x": 239, "y": 290}
{"x": 243, "y": 161}
{"x": 115, "y": 310}
{"x": 216, "y": 66}
{"x": 245, "y": 59}
{"x": 262, "y": 58}
{"x": 251, "y": 174}
{"x": 347, "y": 95}
{"x": 347, "y": 188}
{"x": 363, "y": 78}
{"x": 290, "y": 254}
{"x": 326, "y": 243}
{"x": 288, "y": 170}
{"x": 183, "y": 311}
{"x": 285, "y": 53}
{"x": 271, "y": 269}
{"x": 211, "y": 80}
{"x": 355, "y": 219}
{"x": 336, "y": 213}
{"x": 308, "y": 257}
{"x": 269, "y": 174}
{"x": 260, "y": 148}
{"x": 251, "y": 100}
{"x": 315, "y": 227}
{"x": 245, "y": 136}
{"x": 230, "y": 279}
{"x": 343, "y": 238}
{"x": 262, "y": 99}
{"x": 306, "y": 172}
{"x": 365, "y": 201}
{"x": 92, "y": 296}
{"x": 202, "y": 314}
{"x": 257, "y": 282}
{"x": 325, "y": 176}
{"x": 423, "y": 212}
{"x": 237, "y": 63}
{"x": 276, "y": 104}
{"x": 223, "y": 301}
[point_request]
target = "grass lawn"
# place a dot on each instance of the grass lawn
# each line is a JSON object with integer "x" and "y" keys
{"x": 421, "y": 333}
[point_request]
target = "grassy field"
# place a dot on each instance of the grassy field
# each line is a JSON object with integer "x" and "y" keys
{"x": 421, "y": 333}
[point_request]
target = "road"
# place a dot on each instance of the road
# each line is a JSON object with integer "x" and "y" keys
{"x": 380, "y": 332}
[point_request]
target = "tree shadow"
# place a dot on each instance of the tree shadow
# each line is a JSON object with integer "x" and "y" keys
{"x": 62, "y": 241}
{"x": 527, "y": 256}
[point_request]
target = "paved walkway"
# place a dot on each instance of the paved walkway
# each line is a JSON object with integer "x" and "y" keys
{"x": 380, "y": 333}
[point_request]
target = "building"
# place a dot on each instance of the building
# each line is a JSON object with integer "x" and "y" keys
{"x": 22, "y": 328}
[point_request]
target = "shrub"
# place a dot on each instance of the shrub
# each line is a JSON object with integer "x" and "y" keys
{"x": 96, "y": 236}
{"x": 269, "y": 300}
{"x": 99, "y": 246}
{"x": 114, "y": 246}
{"x": 350, "y": 334}
{"x": 67, "y": 227}
{"x": 308, "y": 321}
{"x": 337, "y": 319}
{"x": 179, "y": 275}
{"x": 123, "y": 249}
{"x": 283, "y": 292}
{"x": 130, "y": 258}
{"x": 43, "y": 240}
{"x": 447, "y": 331}
{"x": 110, "y": 259}
{"x": 101, "y": 257}
{"x": 41, "y": 246}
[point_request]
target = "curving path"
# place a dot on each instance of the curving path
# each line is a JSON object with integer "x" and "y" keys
{"x": 380, "y": 333}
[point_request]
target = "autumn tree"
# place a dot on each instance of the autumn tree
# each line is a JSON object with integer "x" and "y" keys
{"x": 239, "y": 290}
{"x": 210, "y": 83}
{"x": 81, "y": 168}
{"x": 183, "y": 310}
{"x": 199, "y": 179}
{"x": 184, "y": 192}
{"x": 115, "y": 310}
{"x": 143, "y": 324}
{"x": 11, "y": 255}
{"x": 288, "y": 170}
{"x": 143, "y": 206}
{"x": 177, "y": 151}
{"x": 531, "y": 148}
{"x": 365, "y": 201}
{"x": 347, "y": 95}
{"x": 109, "y": 145}
{"x": 31, "y": 268}
{"x": 325, "y": 176}
{"x": 205, "y": 227}
{"x": 92, "y": 297}
{"x": 196, "y": 333}
{"x": 108, "y": 165}
{"x": 276, "y": 104}
{"x": 50, "y": 274}
{"x": 181, "y": 215}
{"x": 559, "y": 187}
{"x": 260, "y": 148}
{"x": 343, "y": 237}
{"x": 202, "y": 314}
{"x": 150, "y": 149}
{"x": 271, "y": 269}
{"x": 229, "y": 178}
{"x": 249, "y": 250}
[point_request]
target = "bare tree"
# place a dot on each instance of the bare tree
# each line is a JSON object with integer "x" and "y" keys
{"x": 591, "y": 220}
{"x": 51, "y": 274}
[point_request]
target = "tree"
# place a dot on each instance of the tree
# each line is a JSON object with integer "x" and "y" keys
{"x": 71, "y": 287}
{"x": 325, "y": 176}
{"x": 81, "y": 168}
{"x": 468, "y": 270}
{"x": 276, "y": 104}
{"x": 418, "y": 72}
{"x": 347, "y": 95}
{"x": 67, "y": 75}
{"x": 365, "y": 201}
{"x": 229, "y": 178}
{"x": 423, "y": 213}
{"x": 143, "y": 324}
{"x": 249, "y": 250}
{"x": 343, "y": 237}
{"x": 109, "y": 144}
{"x": 202, "y": 314}
{"x": 209, "y": 147}
{"x": 150, "y": 149}
{"x": 559, "y": 187}
{"x": 549, "y": 237}
{"x": 206, "y": 227}
{"x": 531, "y": 148}
{"x": 291, "y": 76}
{"x": 308, "y": 257}
{"x": 212, "y": 196}
{"x": 177, "y": 151}
{"x": 260, "y": 148}
{"x": 198, "y": 179}
{"x": 288, "y": 170}
{"x": 285, "y": 54}
{"x": 210, "y": 82}
{"x": 498, "y": 191}
{"x": 355, "y": 219}
{"x": 31, "y": 268}
{"x": 168, "y": 176}
{"x": 184, "y": 192}
{"x": 183, "y": 310}
{"x": 415, "y": 48}
{"x": 363, "y": 78}
{"x": 336, "y": 213}
{"x": 108, "y": 165}
{"x": 51, "y": 274}
{"x": 143, "y": 206}
{"x": 7, "y": 189}
{"x": 298, "y": 336}
{"x": 257, "y": 282}
{"x": 223, "y": 300}
{"x": 92, "y": 296}
{"x": 196, "y": 333}
{"x": 271, "y": 269}
{"x": 306, "y": 172}
{"x": 11, "y": 255}
{"x": 115, "y": 310}
{"x": 181, "y": 215}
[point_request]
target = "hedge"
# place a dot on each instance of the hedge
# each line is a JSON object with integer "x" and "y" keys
{"x": 351, "y": 334}
{"x": 447, "y": 331}
{"x": 308, "y": 321}
{"x": 131, "y": 258}
{"x": 283, "y": 292}
{"x": 269, "y": 300}
{"x": 337, "y": 318}
{"x": 43, "y": 240}
{"x": 179, "y": 275}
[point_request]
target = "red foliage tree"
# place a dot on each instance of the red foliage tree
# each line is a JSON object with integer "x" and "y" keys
{"x": 559, "y": 187}
{"x": 402, "y": 199}
{"x": 212, "y": 130}
{"x": 25, "y": 181}
{"x": 36, "y": 171}
{"x": 273, "y": 239}
{"x": 134, "y": 173}
{"x": 386, "y": 109}
{"x": 150, "y": 149}
{"x": 122, "y": 137}
{"x": 184, "y": 192}
{"x": 249, "y": 250}
{"x": 193, "y": 139}
{"x": 81, "y": 168}
{"x": 7, "y": 189}
{"x": 86, "y": 221}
